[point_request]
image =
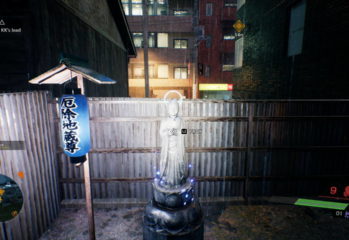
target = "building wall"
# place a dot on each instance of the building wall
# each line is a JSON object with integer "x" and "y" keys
{"x": 319, "y": 71}
{"x": 177, "y": 27}
{"x": 51, "y": 28}
{"x": 212, "y": 56}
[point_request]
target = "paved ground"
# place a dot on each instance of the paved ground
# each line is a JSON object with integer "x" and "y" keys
{"x": 259, "y": 222}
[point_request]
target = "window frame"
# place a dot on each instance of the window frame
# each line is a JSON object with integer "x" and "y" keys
{"x": 155, "y": 6}
{"x": 128, "y": 4}
{"x": 295, "y": 32}
{"x": 180, "y": 68}
{"x": 133, "y": 38}
{"x": 180, "y": 39}
{"x": 209, "y": 9}
{"x": 228, "y": 66}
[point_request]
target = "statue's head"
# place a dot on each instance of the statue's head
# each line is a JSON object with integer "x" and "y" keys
{"x": 173, "y": 108}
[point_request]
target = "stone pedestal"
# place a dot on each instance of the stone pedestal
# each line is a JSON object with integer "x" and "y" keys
{"x": 173, "y": 214}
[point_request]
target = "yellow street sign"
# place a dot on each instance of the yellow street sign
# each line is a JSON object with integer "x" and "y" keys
{"x": 239, "y": 26}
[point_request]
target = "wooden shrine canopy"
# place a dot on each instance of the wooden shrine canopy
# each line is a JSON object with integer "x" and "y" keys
{"x": 67, "y": 71}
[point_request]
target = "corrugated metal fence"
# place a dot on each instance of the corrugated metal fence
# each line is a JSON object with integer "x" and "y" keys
{"x": 236, "y": 148}
{"x": 27, "y": 117}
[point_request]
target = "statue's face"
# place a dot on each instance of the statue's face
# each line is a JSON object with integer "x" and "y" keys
{"x": 173, "y": 108}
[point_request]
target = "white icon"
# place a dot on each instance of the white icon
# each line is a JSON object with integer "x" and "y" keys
{"x": 2, "y": 23}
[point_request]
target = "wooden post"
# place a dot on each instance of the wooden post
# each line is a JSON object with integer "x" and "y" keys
{"x": 87, "y": 181}
{"x": 249, "y": 140}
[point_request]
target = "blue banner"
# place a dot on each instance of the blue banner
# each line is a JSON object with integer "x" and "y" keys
{"x": 75, "y": 125}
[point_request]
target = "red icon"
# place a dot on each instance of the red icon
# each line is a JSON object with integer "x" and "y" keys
{"x": 333, "y": 190}
{"x": 346, "y": 192}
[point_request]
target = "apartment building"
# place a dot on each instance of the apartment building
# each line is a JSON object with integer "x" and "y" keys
{"x": 216, "y": 48}
{"x": 170, "y": 29}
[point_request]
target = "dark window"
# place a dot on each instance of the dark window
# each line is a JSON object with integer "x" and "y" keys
{"x": 208, "y": 41}
{"x": 207, "y": 71}
{"x": 228, "y": 30}
{"x": 296, "y": 29}
{"x": 230, "y": 3}
{"x": 200, "y": 68}
{"x": 180, "y": 43}
{"x": 228, "y": 61}
{"x": 209, "y": 9}
{"x": 180, "y": 72}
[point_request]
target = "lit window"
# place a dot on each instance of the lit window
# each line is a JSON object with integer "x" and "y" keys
{"x": 239, "y": 49}
{"x": 126, "y": 7}
{"x": 132, "y": 7}
{"x": 295, "y": 37}
{"x": 230, "y": 3}
{"x": 151, "y": 40}
{"x": 162, "y": 40}
{"x": 138, "y": 39}
{"x": 151, "y": 71}
{"x": 181, "y": 73}
{"x": 157, "y": 7}
{"x": 228, "y": 62}
{"x": 180, "y": 12}
{"x": 162, "y": 71}
{"x": 180, "y": 43}
{"x": 138, "y": 71}
{"x": 209, "y": 9}
{"x": 137, "y": 8}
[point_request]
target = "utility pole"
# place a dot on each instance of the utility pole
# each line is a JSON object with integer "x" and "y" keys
{"x": 145, "y": 48}
{"x": 195, "y": 50}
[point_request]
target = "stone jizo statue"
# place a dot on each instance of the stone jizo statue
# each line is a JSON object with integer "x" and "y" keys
{"x": 173, "y": 165}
